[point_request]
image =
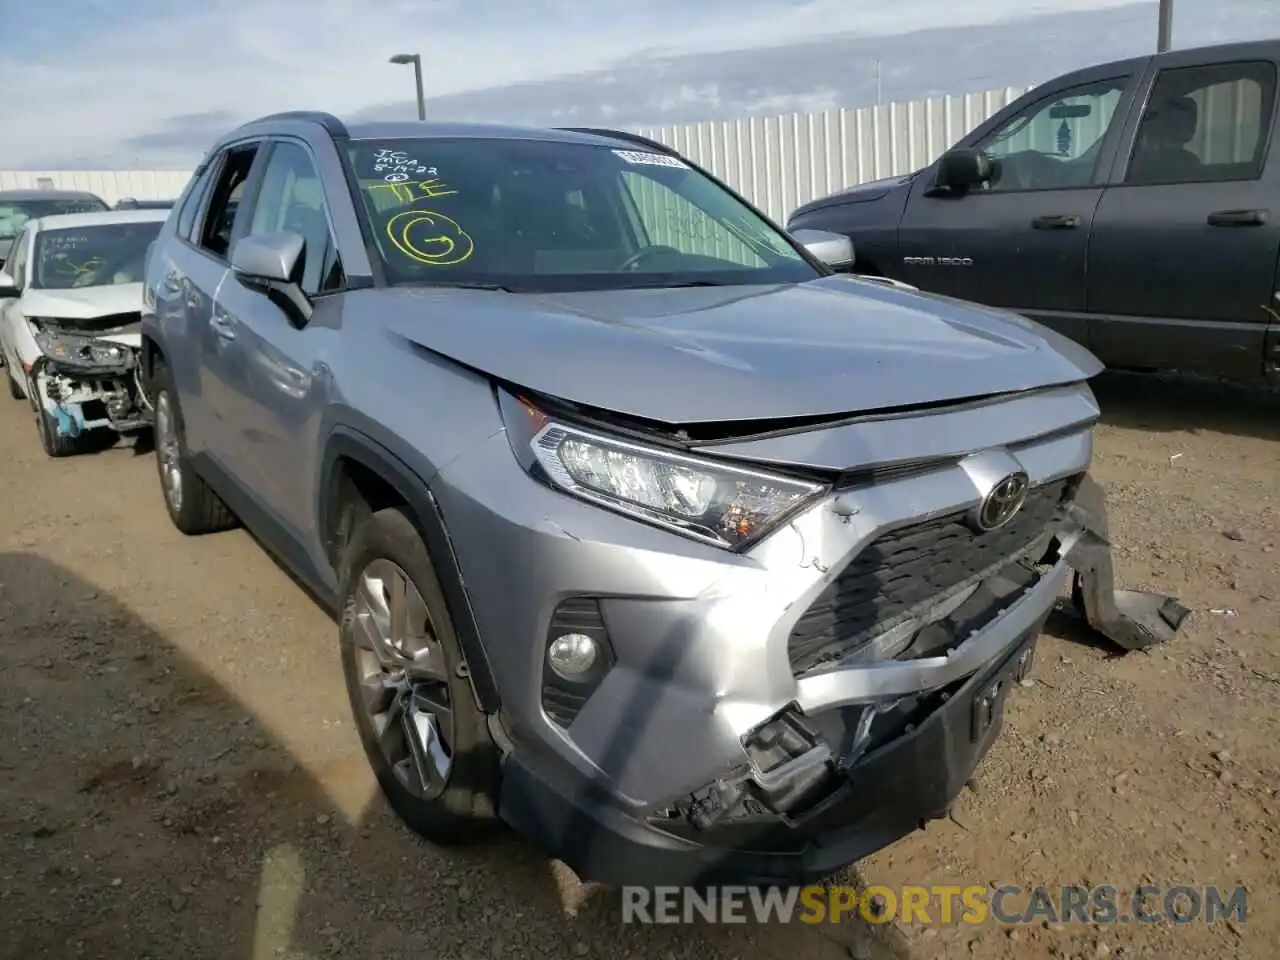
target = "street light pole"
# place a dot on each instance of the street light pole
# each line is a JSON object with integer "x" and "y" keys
{"x": 416, "y": 60}
{"x": 1164, "y": 34}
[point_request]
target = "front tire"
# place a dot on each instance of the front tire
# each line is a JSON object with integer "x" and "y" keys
{"x": 15, "y": 388}
{"x": 422, "y": 731}
{"x": 54, "y": 443}
{"x": 193, "y": 506}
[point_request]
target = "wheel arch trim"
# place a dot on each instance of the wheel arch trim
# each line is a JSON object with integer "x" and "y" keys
{"x": 348, "y": 443}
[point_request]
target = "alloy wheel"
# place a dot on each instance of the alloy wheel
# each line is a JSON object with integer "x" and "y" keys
{"x": 168, "y": 452}
{"x": 404, "y": 678}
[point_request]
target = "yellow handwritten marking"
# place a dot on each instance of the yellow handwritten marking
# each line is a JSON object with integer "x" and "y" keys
{"x": 416, "y": 190}
{"x": 67, "y": 265}
{"x": 455, "y": 243}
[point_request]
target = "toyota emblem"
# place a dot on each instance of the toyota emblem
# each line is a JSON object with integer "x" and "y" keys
{"x": 1002, "y": 503}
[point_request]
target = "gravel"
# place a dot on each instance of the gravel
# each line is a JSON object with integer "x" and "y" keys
{"x": 179, "y": 777}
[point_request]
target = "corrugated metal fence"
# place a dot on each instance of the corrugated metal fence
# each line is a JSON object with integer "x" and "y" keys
{"x": 781, "y": 162}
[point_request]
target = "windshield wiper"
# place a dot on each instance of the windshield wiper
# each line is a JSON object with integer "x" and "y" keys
{"x": 460, "y": 285}
{"x": 664, "y": 284}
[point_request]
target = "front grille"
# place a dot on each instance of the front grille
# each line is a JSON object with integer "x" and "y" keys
{"x": 907, "y": 567}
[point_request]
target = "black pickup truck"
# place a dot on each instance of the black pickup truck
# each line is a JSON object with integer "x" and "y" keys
{"x": 1133, "y": 206}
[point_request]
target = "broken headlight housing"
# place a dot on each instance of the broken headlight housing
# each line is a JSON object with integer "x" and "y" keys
{"x": 729, "y": 506}
{"x": 71, "y": 350}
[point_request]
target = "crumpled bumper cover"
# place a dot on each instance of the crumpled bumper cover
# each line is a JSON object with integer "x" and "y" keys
{"x": 1131, "y": 619}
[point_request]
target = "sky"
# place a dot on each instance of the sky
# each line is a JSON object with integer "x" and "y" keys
{"x": 149, "y": 83}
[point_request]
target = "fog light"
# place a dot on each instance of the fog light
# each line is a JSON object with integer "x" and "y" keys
{"x": 577, "y": 658}
{"x": 572, "y": 655}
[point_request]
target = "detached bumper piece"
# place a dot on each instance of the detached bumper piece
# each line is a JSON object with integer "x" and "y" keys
{"x": 1131, "y": 619}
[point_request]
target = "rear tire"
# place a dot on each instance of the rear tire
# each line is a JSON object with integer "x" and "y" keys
{"x": 389, "y": 587}
{"x": 193, "y": 506}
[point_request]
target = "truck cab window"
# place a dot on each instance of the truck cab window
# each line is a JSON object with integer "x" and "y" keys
{"x": 1055, "y": 142}
{"x": 1205, "y": 124}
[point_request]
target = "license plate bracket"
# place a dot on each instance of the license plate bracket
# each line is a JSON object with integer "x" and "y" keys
{"x": 989, "y": 701}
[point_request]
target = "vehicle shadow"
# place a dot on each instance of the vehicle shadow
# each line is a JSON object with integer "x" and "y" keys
{"x": 1178, "y": 403}
{"x": 145, "y": 811}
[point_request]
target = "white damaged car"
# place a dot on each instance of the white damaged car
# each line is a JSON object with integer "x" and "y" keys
{"x": 70, "y": 302}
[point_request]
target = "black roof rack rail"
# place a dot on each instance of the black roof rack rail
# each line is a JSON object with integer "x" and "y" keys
{"x": 635, "y": 138}
{"x": 331, "y": 123}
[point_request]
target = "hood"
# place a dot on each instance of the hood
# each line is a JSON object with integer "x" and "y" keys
{"x": 862, "y": 193}
{"x": 83, "y": 303}
{"x": 682, "y": 356}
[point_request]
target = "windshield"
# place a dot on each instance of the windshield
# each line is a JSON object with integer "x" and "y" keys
{"x": 532, "y": 215}
{"x": 94, "y": 256}
{"x": 15, "y": 213}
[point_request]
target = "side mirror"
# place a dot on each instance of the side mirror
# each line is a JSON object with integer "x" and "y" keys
{"x": 269, "y": 258}
{"x": 833, "y": 249}
{"x": 272, "y": 263}
{"x": 8, "y": 289}
{"x": 963, "y": 168}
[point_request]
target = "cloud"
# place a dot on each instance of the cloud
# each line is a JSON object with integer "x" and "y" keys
{"x": 151, "y": 82}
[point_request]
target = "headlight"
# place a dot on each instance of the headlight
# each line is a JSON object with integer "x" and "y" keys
{"x": 718, "y": 503}
{"x": 74, "y": 351}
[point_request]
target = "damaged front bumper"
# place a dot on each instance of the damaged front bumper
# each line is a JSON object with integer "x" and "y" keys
{"x": 862, "y": 756}
{"x": 81, "y": 393}
{"x": 772, "y": 715}
{"x": 808, "y": 801}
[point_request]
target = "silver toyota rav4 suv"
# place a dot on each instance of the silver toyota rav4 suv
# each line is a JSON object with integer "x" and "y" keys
{"x": 648, "y": 532}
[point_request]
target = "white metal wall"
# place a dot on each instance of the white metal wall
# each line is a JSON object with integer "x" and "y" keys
{"x": 110, "y": 185}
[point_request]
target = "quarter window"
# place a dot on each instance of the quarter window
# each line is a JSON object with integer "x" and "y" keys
{"x": 1054, "y": 143}
{"x": 1205, "y": 124}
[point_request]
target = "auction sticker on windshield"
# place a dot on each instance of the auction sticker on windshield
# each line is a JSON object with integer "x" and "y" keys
{"x": 651, "y": 159}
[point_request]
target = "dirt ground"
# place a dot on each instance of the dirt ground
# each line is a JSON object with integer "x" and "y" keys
{"x": 179, "y": 777}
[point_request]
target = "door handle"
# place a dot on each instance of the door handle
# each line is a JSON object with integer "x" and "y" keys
{"x": 223, "y": 327}
{"x": 1239, "y": 218}
{"x": 1061, "y": 221}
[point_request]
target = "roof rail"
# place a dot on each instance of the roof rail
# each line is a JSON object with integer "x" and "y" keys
{"x": 331, "y": 123}
{"x": 623, "y": 135}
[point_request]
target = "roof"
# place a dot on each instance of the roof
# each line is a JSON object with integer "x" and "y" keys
{"x": 429, "y": 129}
{"x": 48, "y": 195}
{"x": 71, "y": 221}
{"x": 438, "y": 130}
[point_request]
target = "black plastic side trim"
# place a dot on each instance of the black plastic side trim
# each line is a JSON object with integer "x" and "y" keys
{"x": 346, "y": 442}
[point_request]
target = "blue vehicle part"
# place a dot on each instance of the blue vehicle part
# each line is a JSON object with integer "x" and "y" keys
{"x": 69, "y": 419}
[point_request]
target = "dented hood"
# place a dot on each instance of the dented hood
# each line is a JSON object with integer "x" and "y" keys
{"x": 686, "y": 355}
{"x": 82, "y": 303}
